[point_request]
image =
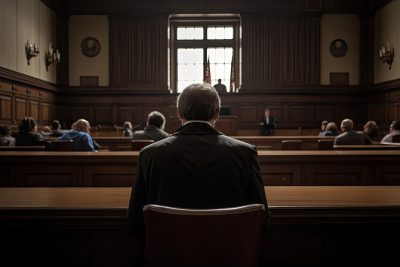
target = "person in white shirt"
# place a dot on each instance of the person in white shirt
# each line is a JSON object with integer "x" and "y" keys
{"x": 396, "y": 131}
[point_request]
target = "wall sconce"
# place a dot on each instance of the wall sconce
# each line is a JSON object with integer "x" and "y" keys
{"x": 386, "y": 56}
{"x": 31, "y": 51}
{"x": 52, "y": 58}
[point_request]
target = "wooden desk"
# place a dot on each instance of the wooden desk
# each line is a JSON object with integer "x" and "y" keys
{"x": 275, "y": 142}
{"x": 110, "y": 143}
{"x": 370, "y": 147}
{"x": 321, "y": 226}
{"x": 280, "y": 168}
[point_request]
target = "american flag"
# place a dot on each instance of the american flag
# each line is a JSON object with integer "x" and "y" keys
{"x": 208, "y": 73}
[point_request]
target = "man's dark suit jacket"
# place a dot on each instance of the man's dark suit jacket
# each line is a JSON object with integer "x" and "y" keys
{"x": 268, "y": 129}
{"x": 32, "y": 139}
{"x": 151, "y": 132}
{"x": 349, "y": 138}
{"x": 196, "y": 168}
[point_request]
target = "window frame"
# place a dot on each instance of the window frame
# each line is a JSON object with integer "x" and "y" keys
{"x": 176, "y": 21}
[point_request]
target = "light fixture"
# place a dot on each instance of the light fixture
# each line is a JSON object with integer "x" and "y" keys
{"x": 52, "y": 58}
{"x": 32, "y": 51}
{"x": 386, "y": 56}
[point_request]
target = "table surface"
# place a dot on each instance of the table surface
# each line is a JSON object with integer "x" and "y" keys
{"x": 260, "y": 153}
{"x": 290, "y": 196}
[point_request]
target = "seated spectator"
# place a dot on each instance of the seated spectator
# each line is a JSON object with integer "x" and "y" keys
{"x": 127, "y": 129}
{"x": 154, "y": 129}
{"x": 197, "y": 167}
{"x": 396, "y": 131}
{"x": 331, "y": 130}
{"x": 371, "y": 129}
{"x": 5, "y": 136}
{"x": 56, "y": 125}
{"x": 28, "y": 135}
{"x": 350, "y": 137}
{"x": 73, "y": 126}
{"x": 323, "y": 127}
{"x": 391, "y": 126}
{"x": 82, "y": 140}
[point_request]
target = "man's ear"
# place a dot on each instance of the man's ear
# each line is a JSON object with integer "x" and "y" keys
{"x": 216, "y": 116}
{"x": 179, "y": 115}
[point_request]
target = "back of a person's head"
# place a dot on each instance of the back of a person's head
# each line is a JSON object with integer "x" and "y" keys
{"x": 81, "y": 125}
{"x": 396, "y": 126}
{"x": 371, "y": 129}
{"x": 127, "y": 124}
{"x": 331, "y": 127}
{"x": 347, "y": 124}
{"x": 198, "y": 102}
{"x": 27, "y": 124}
{"x": 55, "y": 124}
{"x": 157, "y": 119}
{"x": 4, "y": 130}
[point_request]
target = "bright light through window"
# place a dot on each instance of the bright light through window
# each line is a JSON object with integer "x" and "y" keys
{"x": 220, "y": 32}
{"x": 190, "y": 67}
{"x": 220, "y": 64}
{"x": 190, "y": 33}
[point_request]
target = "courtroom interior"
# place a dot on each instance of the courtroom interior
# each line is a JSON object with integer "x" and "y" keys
{"x": 127, "y": 127}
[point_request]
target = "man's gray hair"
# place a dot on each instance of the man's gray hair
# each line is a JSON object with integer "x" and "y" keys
{"x": 198, "y": 102}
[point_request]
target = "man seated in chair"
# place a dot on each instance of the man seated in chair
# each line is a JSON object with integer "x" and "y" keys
{"x": 350, "y": 137}
{"x": 80, "y": 135}
{"x": 154, "y": 129}
{"x": 197, "y": 167}
{"x": 396, "y": 131}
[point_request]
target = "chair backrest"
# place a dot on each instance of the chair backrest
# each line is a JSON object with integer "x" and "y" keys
{"x": 325, "y": 144}
{"x": 22, "y": 148}
{"x": 292, "y": 144}
{"x": 223, "y": 237}
{"x": 62, "y": 145}
{"x": 137, "y": 145}
{"x": 396, "y": 139}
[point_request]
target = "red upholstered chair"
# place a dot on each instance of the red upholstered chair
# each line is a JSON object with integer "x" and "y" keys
{"x": 325, "y": 144}
{"x": 292, "y": 144}
{"x": 221, "y": 237}
{"x": 62, "y": 145}
{"x": 22, "y": 148}
{"x": 137, "y": 145}
{"x": 396, "y": 139}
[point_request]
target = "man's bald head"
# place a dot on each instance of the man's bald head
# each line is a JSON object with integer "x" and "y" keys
{"x": 82, "y": 125}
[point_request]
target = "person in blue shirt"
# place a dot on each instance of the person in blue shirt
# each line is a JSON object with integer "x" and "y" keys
{"x": 331, "y": 130}
{"x": 80, "y": 135}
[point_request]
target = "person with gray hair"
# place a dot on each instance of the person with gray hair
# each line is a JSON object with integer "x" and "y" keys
{"x": 197, "y": 167}
{"x": 350, "y": 137}
{"x": 154, "y": 129}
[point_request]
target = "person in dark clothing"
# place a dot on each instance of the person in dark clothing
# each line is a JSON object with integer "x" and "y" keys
{"x": 5, "y": 136}
{"x": 197, "y": 167}
{"x": 56, "y": 131}
{"x": 127, "y": 129}
{"x": 28, "y": 135}
{"x": 350, "y": 137}
{"x": 330, "y": 130}
{"x": 154, "y": 129}
{"x": 323, "y": 128}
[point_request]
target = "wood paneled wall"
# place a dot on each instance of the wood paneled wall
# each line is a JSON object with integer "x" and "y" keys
{"x": 292, "y": 110}
{"x": 18, "y": 101}
{"x": 383, "y": 106}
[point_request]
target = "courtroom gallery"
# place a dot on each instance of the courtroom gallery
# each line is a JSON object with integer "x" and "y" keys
{"x": 199, "y": 133}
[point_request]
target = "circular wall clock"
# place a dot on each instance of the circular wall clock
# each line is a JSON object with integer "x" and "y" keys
{"x": 338, "y": 48}
{"x": 90, "y": 47}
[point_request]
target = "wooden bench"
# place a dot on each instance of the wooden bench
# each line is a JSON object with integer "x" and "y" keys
{"x": 310, "y": 226}
{"x": 280, "y": 168}
{"x": 368, "y": 147}
{"x": 22, "y": 148}
{"x": 275, "y": 142}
